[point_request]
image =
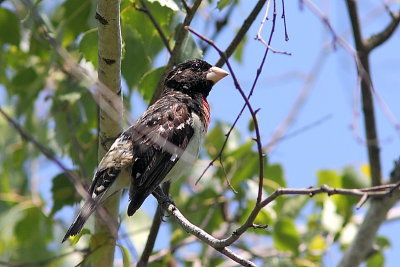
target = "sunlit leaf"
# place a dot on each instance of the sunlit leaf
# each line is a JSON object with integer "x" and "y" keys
{"x": 330, "y": 219}
{"x": 317, "y": 244}
{"x": 223, "y": 3}
{"x": 376, "y": 260}
{"x": 330, "y": 178}
{"x": 70, "y": 97}
{"x": 274, "y": 177}
{"x": 167, "y": 3}
{"x": 76, "y": 238}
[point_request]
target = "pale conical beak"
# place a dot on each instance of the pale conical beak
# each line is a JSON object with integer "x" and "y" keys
{"x": 215, "y": 74}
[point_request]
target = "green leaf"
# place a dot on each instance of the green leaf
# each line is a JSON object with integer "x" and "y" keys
{"x": 34, "y": 228}
{"x": 126, "y": 257}
{"x": 383, "y": 242}
{"x": 285, "y": 235}
{"x": 330, "y": 178}
{"x": 266, "y": 216}
{"x": 148, "y": 83}
{"x": 9, "y": 27}
{"x": 71, "y": 98}
{"x": 76, "y": 15}
{"x": 223, "y": 3}
{"x": 245, "y": 163}
{"x": 89, "y": 46}
{"x": 250, "y": 125}
{"x": 317, "y": 244}
{"x": 64, "y": 193}
{"x": 376, "y": 260}
{"x": 76, "y": 238}
{"x": 23, "y": 80}
{"x": 216, "y": 137}
{"x": 274, "y": 177}
{"x": 351, "y": 179}
{"x": 141, "y": 40}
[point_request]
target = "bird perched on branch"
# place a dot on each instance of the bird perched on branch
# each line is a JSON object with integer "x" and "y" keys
{"x": 161, "y": 145}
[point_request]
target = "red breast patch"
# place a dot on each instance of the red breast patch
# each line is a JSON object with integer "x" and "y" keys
{"x": 206, "y": 110}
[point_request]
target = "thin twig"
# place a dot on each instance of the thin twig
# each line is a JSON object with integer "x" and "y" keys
{"x": 242, "y": 32}
{"x": 259, "y": 36}
{"x": 366, "y": 92}
{"x": 250, "y": 108}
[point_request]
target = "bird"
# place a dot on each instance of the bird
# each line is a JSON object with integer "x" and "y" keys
{"x": 160, "y": 146}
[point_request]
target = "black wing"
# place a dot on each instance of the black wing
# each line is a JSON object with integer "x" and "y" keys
{"x": 160, "y": 137}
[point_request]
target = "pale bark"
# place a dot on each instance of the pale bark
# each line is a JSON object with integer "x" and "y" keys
{"x": 109, "y": 73}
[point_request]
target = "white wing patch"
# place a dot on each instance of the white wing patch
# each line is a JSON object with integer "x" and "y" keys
{"x": 174, "y": 157}
{"x": 191, "y": 152}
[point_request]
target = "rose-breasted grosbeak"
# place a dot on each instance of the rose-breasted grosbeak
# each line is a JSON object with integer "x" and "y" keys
{"x": 160, "y": 145}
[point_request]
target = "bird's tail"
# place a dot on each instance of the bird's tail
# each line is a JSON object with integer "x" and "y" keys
{"x": 80, "y": 220}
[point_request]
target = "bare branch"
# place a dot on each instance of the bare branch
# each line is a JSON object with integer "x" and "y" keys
{"x": 259, "y": 36}
{"x": 379, "y": 38}
{"x": 366, "y": 90}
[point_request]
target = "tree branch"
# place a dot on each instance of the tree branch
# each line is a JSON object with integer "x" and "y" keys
{"x": 109, "y": 73}
{"x": 383, "y": 191}
{"x": 366, "y": 91}
{"x": 379, "y": 38}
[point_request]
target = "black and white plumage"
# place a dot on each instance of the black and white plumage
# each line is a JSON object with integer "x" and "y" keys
{"x": 161, "y": 145}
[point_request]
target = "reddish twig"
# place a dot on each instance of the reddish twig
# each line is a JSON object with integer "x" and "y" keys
{"x": 251, "y": 110}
